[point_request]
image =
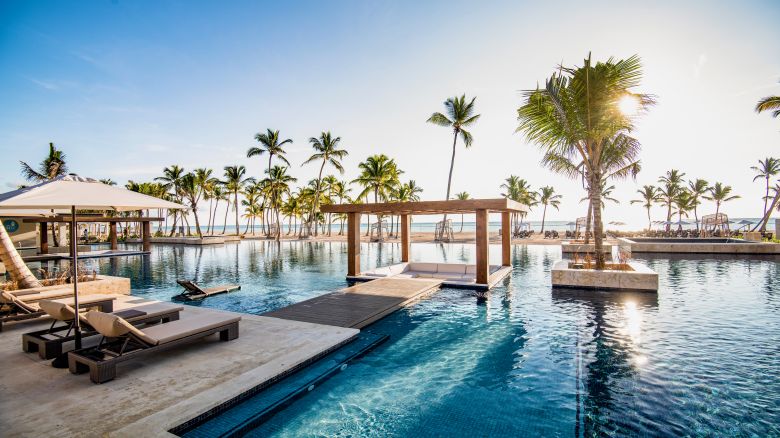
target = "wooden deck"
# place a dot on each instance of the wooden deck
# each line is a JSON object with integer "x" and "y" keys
{"x": 359, "y": 305}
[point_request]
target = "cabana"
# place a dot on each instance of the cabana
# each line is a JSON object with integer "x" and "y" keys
{"x": 480, "y": 276}
{"x": 712, "y": 223}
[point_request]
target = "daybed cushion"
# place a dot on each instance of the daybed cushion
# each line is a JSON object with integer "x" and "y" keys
{"x": 423, "y": 267}
{"x": 46, "y": 295}
{"x": 446, "y": 268}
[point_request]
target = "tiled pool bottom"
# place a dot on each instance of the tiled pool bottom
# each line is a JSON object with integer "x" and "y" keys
{"x": 698, "y": 359}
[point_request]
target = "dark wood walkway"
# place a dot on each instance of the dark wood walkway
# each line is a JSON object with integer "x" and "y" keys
{"x": 359, "y": 305}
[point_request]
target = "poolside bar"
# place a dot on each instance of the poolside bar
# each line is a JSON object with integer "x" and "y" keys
{"x": 481, "y": 207}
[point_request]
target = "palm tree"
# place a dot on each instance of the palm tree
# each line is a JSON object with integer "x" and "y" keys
{"x": 577, "y": 113}
{"x": 518, "y": 190}
{"x": 269, "y": 142}
{"x": 649, "y": 196}
{"x": 769, "y": 103}
{"x": 547, "y": 196}
{"x": 234, "y": 182}
{"x": 683, "y": 202}
{"x": 326, "y": 148}
{"x": 460, "y": 115}
{"x": 49, "y": 168}
{"x": 217, "y": 194}
{"x": 252, "y": 191}
{"x": 697, "y": 189}
{"x": 405, "y": 192}
{"x": 191, "y": 190}
{"x": 766, "y": 169}
{"x": 108, "y": 181}
{"x": 461, "y": 196}
{"x": 720, "y": 194}
{"x": 672, "y": 184}
{"x": 276, "y": 185}
{"x": 378, "y": 175}
{"x": 171, "y": 180}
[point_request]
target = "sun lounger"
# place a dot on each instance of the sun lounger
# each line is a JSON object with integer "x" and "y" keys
{"x": 195, "y": 292}
{"x": 122, "y": 341}
{"x": 25, "y": 307}
{"x": 51, "y": 343}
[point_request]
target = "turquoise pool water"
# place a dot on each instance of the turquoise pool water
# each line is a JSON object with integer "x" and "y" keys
{"x": 701, "y": 358}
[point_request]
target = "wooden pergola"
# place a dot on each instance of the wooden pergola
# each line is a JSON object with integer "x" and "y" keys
{"x": 146, "y": 229}
{"x": 481, "y": 207}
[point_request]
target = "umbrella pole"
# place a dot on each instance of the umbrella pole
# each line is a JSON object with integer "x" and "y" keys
{"x": 75, "y": 262}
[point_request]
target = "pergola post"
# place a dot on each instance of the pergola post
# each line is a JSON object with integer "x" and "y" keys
{"x": 405, "y": 237}
{"x": 482, "y": 247}
{"x": 146, "y": 236}
{"x": 44, "y": 238}
{"x": 353, "y": 244}
{"x": 506, "y": 236}
{"x": 112, "y": 235}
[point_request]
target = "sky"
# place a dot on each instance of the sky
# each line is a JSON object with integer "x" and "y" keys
{"x": 126, "y": 88}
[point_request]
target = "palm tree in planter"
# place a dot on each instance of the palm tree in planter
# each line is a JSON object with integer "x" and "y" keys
{"x": 379, "y": 175}
{"x": 697, "y": 189}
{"x": 578, "y": 112}
{"x": 462, "y": 196}
{"x": 276, "y": 186}
{"x": 720, "y": 194}
{"x": 235, "y": 179}
{"x": 51, "y": 167}
{"x": 460, "y": 115}
{"x": 766, "y": 170}
{"x": 649, "y": 196}
{"x": 326, "y": 149}
{"x": 547, "y": 196}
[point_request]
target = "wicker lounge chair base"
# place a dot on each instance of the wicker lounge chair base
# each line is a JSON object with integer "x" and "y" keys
{"x": 101, "y": 361}
{"x": 195, "y": 292}
{"x": 50, "y": 343}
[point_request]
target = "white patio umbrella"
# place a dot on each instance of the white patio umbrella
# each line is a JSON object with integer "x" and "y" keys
{"x": 71, "y": 192}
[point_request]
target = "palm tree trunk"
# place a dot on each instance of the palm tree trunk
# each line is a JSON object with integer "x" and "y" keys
{"x": 197, "y": 222}
{"x": 14, "y": 264}
{"x": 227, "y": 210}
{"x": 173, "y": 228}
{"x": 766, "y": 199}
{"x": 315, "y": 204}
{"x": 597, "y": 225}
{"x": 54, "y": 239}
{"x": 650, "y": 223}
{"x": 768, "y": 213}
{"x": 452, "y": 166}
{"x": 235, "y": 204}
{"x": 668, "y": 215}
{"x": 589, "y": 217}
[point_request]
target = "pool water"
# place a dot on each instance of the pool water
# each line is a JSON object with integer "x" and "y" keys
{"x": 700, "y": 358}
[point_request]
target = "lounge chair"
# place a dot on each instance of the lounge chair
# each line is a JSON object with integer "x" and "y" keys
{"x": 195, "y": 292}
{"x": 50, "y": 343}
{"x": 122, "y": 341}
{"x": 20, "y": 308}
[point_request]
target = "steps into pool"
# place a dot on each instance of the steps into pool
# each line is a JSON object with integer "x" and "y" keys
{"x": 254, "y": 410}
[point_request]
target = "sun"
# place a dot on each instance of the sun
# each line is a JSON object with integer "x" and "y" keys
{"x": 628, "y": 105}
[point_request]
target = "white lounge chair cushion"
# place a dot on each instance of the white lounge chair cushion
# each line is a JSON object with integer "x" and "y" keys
{"x": 172, "y": 331}
{"x": 424, "y": 267}
{"x": 406, "y": 275}
{"x": 446, "y": 268}
{"x": 46, "y": 295}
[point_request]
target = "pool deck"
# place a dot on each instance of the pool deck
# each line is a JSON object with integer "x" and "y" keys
{"x": 360, "y": 305}
{"x": 151, "y": 395}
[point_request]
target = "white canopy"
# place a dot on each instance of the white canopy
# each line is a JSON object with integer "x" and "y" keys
{"x": 84, "y": 193}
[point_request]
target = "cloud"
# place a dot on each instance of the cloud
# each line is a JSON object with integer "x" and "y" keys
{"x": 53, "y": 84}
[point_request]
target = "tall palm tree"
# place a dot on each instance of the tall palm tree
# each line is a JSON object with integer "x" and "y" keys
{"x": 460, "y": 115}
{"x": 253, "y": 209}
{"x": 766, "y": 169}
{"x": 329, "y": 186}
{"x": 577, "y": 113}
{"x": 326, "y": 148}
{"x": 191, "y": 190}
{"x": 270, "y": 143}
{"x": 672, "y": 184}
{"x": 461, "y": 196}
{"x": 683, "y": 203}
{"x": 649, "y": 196}
{"x": 49, "y": 168}
{"x": 234, "y": 181}
{"x": 276, "y": 186}
{"x": 378, "y": 175}
{"x": 217, "y": 193}
{"x": 547, "y": 196}
{"x": 720, "y": 194}
{"x": 697, "y": 189}
{"x": 171, "y": 180}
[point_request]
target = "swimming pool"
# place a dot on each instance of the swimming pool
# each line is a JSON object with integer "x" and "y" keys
{"x": 699, "y": 358}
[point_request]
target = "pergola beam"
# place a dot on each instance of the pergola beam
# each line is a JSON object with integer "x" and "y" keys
{"x": 428, "y": 207}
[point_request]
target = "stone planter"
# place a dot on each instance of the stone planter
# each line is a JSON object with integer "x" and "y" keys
{"x": 104, "y": 284}
{"x": 574, "y": 247}
{"x": 640, "y": 278}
